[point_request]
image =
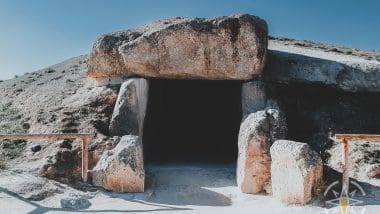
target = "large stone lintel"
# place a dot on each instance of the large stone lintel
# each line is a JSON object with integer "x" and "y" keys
{"x": 224, "y": 48}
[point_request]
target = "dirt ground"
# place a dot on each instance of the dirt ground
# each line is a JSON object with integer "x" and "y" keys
{"x": 179, "y": 188}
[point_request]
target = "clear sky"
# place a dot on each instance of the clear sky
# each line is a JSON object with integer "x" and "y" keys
{"x": 37, "y": 33}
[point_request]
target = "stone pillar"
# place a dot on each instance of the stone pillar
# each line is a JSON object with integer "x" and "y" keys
{"x": 122, "y": 169}
{"x": 257, "y": 133}
{"x": 253, "y": 97}
{"x": 130, "y": 109}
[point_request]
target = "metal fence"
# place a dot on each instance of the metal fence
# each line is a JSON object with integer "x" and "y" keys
{"x": 54, "y": 137}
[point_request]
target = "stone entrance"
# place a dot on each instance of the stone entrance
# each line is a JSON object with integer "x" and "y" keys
{"x": 192, "y": 121}
{"x": 212, "y": 105}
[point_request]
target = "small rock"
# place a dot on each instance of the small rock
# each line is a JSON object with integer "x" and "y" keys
{"x": 36, "y": 148}
{"x": 373, "y": 171}
{"x": 75, "y": 202}
{"x": 66, "y": 144}
{"x": 26, "y": 126}
{"x": 49, "y": 71}
{"x": 112, "y": 143}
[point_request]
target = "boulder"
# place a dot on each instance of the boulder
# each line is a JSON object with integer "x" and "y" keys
{"x": 289, "y": 64}
{"x": 130, "y": 108}
{"x": 373, "y": 171}
{"x": 253, "y": 97}
{"x": 257, "y": 132}
{"x": 296, "y": 171}
{"x": 121, "y": 169}
{"x": 35, "y": 148}
{"x": 223, "y": 48}
{"x": 75, "y": 202}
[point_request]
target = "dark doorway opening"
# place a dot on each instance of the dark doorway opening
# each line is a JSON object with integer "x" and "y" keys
{"x": 192, "y": 121}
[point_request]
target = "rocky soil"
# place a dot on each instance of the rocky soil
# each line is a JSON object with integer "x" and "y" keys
{"x": 58, "y": 99}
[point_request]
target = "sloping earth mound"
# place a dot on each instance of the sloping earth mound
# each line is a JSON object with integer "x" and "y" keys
{"x": 61, "y": 99}
{"x": 58, "y": 99}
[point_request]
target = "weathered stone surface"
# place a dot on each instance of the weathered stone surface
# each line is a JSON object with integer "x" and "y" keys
{"x": 122, "y": 169}
{"x": 257, "y": 132}
{"x": 296, "y": 171}
{"x": 36, "y": 148}
{"x": 75, "y": 202}
{"x": 223, "y": 48}
{"x": 129, "y": 112}
{"x": 373, "y": 170}
{"x": 289, "y": 64}
{"x": 253, "y": 97}
{"x": 363, "y": 159}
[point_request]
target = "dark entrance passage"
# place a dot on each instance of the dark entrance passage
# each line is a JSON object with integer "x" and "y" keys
{"x": 192, "y": 121}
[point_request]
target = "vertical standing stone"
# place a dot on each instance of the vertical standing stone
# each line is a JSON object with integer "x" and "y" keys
{"x": 129, "y": 112}
{"x": 257, "y": 132}
{"x": 253, "y": 169}
{"x": 253, "y": 97}
{"x": 296, "y": 171}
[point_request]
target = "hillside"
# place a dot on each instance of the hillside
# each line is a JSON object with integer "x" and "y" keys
{"x": 57, "y": 99}
{"x": 62, "y": 99}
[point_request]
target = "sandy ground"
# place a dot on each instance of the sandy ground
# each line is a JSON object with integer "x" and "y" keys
{"x": 173, "y": 189}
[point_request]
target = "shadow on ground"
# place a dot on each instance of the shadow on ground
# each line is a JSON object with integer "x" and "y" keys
{"x": 364, "y": 192}
{"x": 167, "y": 188}
{"x": 39, "y": 209}
{"x": 183, "y": 185}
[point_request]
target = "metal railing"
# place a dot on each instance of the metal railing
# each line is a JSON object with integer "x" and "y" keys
{"x": 54, "y": 137}
{"x": 345, "y": 139}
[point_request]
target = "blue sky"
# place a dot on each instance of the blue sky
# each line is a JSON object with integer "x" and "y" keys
{"x": 37, "y": 33}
